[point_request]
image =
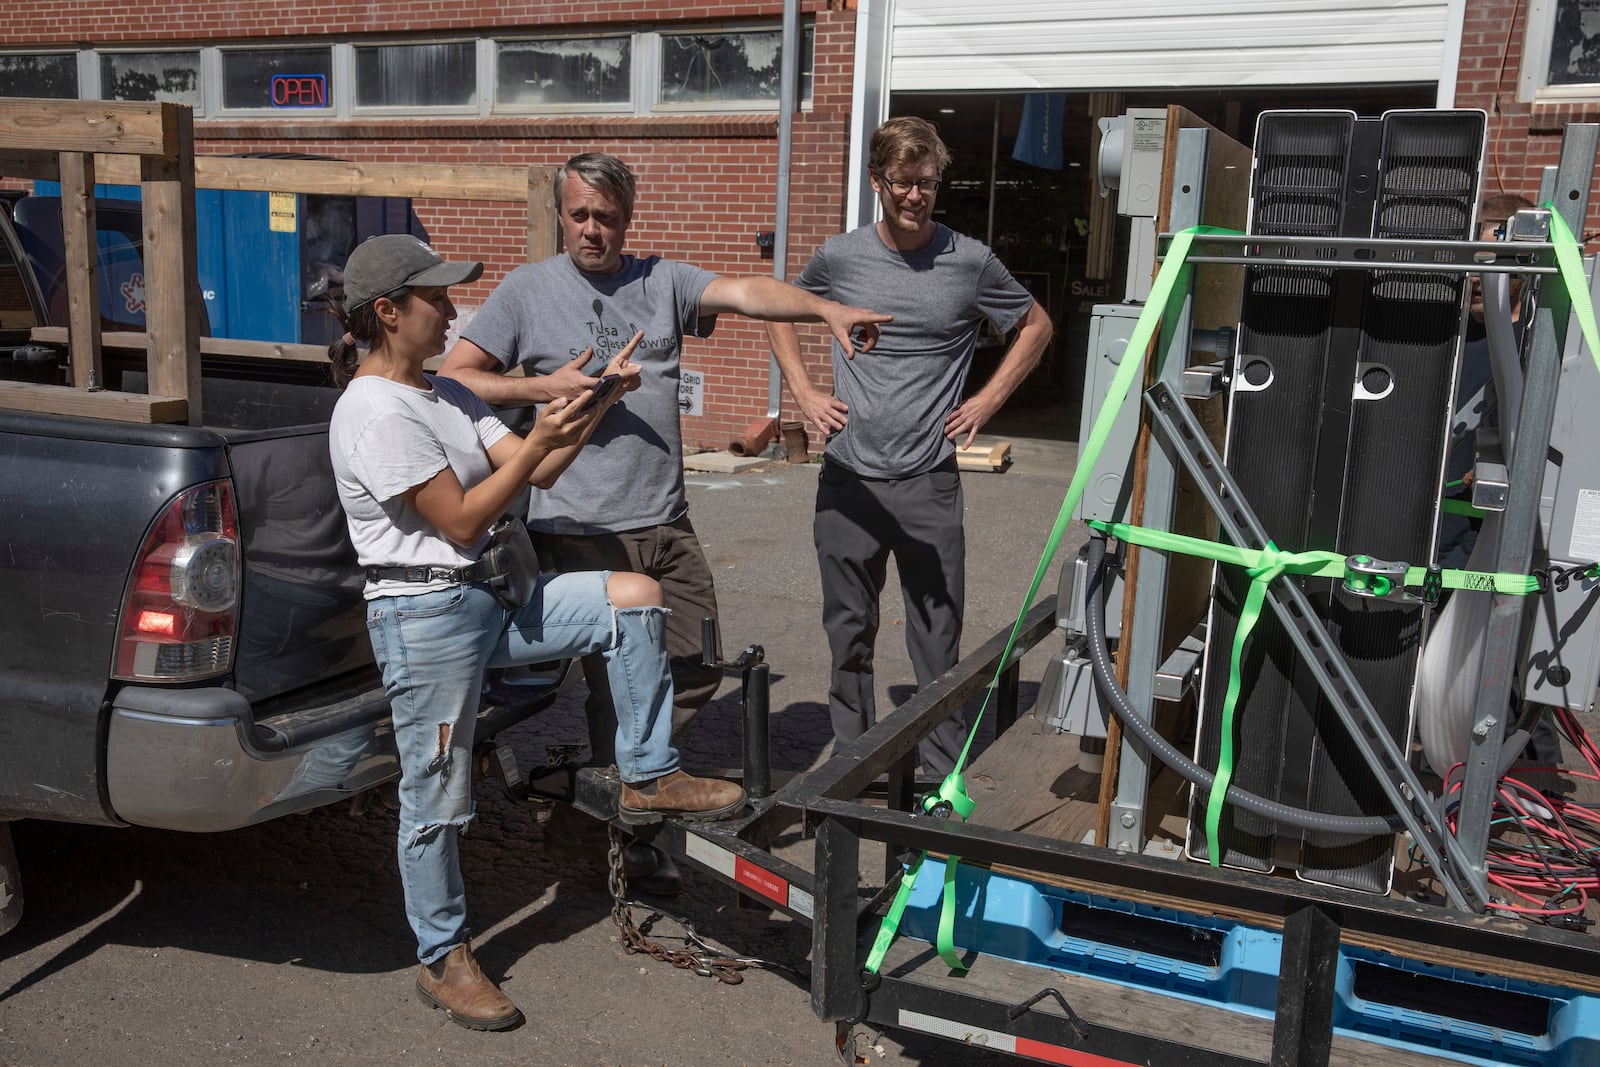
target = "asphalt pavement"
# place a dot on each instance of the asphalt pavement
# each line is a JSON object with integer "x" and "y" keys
{"x": 287, "y": 942}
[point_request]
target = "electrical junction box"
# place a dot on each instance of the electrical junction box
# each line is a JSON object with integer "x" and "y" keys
{"x": 1144, "y": 143}
{"x": 1068, "y": 702}
{"x": 1106, "y": 492}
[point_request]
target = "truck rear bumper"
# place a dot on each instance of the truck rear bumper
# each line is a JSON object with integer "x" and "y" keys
{"x": 187, "y": 759}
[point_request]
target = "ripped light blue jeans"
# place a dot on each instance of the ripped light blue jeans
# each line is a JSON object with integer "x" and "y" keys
{"x": 433, "y": 648}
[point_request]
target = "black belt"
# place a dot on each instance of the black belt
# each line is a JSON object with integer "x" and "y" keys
{"x": 476, "y": 572}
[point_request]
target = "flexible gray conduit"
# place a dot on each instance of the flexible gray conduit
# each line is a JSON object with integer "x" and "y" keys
{"x": 1106, "y": 682}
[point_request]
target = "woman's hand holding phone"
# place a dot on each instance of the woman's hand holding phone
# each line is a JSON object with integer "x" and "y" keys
{"x": 604, "y": 388}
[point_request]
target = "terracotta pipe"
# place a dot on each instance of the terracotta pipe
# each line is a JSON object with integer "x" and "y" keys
{"x": 794, "y": 442}
{"x": 757, "y": 436}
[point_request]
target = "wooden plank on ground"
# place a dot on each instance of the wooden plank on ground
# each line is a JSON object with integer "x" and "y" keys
{"x": 104, "y": 404}
{"x": 90, "y": 126}
{"x": 996, "y": 457}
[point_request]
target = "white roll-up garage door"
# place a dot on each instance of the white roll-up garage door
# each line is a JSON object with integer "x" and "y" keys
{"x": 1148, "y": 44}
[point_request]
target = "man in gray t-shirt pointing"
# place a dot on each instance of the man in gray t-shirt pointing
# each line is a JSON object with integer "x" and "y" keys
{"x": 621, "y": 505}
{"x": 889, "y": 484}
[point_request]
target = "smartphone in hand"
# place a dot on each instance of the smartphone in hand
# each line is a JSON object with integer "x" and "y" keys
{"x": 607, "y": 385}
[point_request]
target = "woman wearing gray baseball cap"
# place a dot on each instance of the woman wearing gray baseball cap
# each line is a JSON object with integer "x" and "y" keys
{"x": 424, "y": 469}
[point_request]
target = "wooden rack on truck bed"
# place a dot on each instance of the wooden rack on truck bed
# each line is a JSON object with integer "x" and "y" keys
{"x": 81, "y": 143}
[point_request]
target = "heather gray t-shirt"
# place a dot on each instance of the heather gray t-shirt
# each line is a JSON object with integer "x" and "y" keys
{"x": 900, "y": 392}
{"x": 630, "y": 474}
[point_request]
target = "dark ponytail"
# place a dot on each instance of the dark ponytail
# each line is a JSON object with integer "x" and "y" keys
{"x": 361, "y": 329}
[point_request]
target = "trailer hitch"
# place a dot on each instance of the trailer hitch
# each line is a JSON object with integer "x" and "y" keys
{"x": 554, "y": 781}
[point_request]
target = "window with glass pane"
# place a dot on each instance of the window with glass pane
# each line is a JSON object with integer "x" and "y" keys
{"x": 55, "y": 77}
{"x": 727, "y": 67}
{"x": 173, "y": 76}
{"x": 291, "y": 78}
{"x": 1575, "y": 43}
{"x": 590, "y": 70}
{"x": 417, "y": 75}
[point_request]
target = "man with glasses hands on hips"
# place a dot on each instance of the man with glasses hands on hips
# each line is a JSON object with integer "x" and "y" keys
{"x": 889, "y": 482}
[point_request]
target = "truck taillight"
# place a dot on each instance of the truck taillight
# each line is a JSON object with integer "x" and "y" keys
{"x": 181, "y": 613}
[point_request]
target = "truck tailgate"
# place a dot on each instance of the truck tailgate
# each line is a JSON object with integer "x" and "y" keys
{"x": 302, "y": 618}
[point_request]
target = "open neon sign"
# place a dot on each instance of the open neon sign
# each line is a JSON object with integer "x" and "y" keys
{"x": 299, "y": 90}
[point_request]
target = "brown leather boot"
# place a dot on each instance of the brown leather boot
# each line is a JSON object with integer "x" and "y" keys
{"x": 455, "y": 983}
{"x": 677, "y": 793}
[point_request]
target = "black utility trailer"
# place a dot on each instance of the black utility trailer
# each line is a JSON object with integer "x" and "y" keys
{"x": 1081, "y": 933}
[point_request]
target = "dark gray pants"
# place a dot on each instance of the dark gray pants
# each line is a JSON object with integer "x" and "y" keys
{"x": 860, "y": 523}
{"x": 670, "y": 554}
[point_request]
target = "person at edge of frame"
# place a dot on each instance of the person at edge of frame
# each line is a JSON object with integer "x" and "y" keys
{"x": 889, "y": 483}
{"x": 423, "y": 470}
{"x": 622, "y": 505}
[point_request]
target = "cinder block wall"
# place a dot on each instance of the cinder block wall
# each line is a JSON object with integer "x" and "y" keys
{"x": 707, "y": 182}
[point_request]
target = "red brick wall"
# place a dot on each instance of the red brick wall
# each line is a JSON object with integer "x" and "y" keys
{"x": 1523, "y": 137}
{"x": 707, "y": 184}
{"x": 206, "y": 22}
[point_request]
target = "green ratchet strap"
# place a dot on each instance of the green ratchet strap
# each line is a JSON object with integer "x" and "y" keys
{"x": 1264, "y": 565}
{"x": 1452, "y": 506}
{"x": 1165, "y": 300}
{"x": 1569, "y": 258}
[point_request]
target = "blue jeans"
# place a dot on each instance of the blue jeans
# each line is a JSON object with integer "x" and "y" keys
{"x": 433, "y": 648}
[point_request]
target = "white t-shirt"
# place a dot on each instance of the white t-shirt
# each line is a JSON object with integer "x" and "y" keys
{"x": 384, "y": 439}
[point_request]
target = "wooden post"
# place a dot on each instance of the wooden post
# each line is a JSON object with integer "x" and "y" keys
{"x": 82, "y": 257}
{"x": 172, "y": 280}
{"x": 542, "y": 222}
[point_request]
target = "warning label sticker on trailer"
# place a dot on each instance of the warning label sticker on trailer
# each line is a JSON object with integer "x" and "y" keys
{"x": 757, "y": 879}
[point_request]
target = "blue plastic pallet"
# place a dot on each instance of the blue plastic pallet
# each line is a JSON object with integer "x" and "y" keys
{"x": 1234, "y": 966}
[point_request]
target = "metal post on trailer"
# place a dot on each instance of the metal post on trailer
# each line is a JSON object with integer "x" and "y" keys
{"x": 755, "y": 690}
{"x": 1126, "y": 829}
{"x": 1503, "y": 637}
{"x": 836, "y": 991}
{"x": 1302, "y": 1027}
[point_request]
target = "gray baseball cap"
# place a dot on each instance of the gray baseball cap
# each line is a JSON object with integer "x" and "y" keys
{"x": 380, "y": 265}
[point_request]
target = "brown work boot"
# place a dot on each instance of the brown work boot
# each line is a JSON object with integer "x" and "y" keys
{"x": 455, "y": 983}
{"x": 677, "y": 793}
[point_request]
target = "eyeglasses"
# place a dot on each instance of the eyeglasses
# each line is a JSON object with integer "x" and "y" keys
{"x": 929, "y": 186}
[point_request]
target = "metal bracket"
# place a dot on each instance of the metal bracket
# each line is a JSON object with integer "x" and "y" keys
{"x": 1017, "y": 1011}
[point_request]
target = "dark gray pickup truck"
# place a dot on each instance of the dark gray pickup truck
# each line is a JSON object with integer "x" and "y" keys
{"x": 182, "y": 642}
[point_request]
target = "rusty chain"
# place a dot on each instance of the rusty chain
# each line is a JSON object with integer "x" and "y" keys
{"x": 707, "y": 964}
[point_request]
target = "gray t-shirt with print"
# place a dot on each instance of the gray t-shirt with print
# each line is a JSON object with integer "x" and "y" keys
{"x": 630, "y": 474}
{"x": 900, "y": 393}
